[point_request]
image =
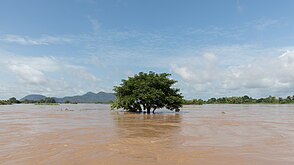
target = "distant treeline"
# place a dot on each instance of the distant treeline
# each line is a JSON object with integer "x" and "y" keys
{"x": 223, "y": 100}
{"x": 47, "y": 100}
{"x": 243, "y": 100}
{"x": 12, "y": 100}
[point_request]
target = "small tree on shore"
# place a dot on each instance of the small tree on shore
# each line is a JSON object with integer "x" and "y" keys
{"x": 146, "y": 92}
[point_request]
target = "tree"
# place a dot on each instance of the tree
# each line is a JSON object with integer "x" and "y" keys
{"x": 147, "y": 91}
{"x": 47, "y": 100}
{"x": 13, "y": 100}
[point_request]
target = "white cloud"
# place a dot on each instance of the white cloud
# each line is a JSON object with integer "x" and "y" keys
{"x": 272, "y": 73}
{"x": 25, "y": 40}
{"x": 184, "y": 72}
{"x": 81, "y": 73}
{"x": 265, "y": 23}
{"x": 260, "y": 77}
{"x": 28, "y": 74}
{"x": 44, "y": 75}
{"x": 205, "y": 70}
{"x": 210, "y": 60}
{"x": 262, "y": 24}
{"x": 29, "y": 70}
{"x": 96, "y": 27}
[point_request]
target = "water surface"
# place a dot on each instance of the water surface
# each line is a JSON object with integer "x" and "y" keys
{"x": 92, "y": 134}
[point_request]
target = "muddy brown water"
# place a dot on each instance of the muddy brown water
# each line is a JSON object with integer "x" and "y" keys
{"x": 91, "y": 134}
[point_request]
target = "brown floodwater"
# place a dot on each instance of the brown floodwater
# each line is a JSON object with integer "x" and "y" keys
{"x": 91, "y": 134}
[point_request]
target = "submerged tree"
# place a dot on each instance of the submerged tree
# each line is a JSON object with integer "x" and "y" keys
{"x": 147, "y": 91}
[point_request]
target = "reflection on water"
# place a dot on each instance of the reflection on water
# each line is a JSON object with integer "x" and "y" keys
{"x": 142, "y": 136}
{"x": 92, "y": 134}
{"x": 131, "y": 125}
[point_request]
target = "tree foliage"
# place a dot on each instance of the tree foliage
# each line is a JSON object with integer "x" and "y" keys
{"x": 147, "y": 91}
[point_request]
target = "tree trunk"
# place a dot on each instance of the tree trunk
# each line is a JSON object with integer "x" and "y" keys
{"x": 148, "y": 110}
{"x": 153, "y": 111}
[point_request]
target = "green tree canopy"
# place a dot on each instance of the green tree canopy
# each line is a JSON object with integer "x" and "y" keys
{"x": 12, "y": 100}
{"x": 148, "y": 91}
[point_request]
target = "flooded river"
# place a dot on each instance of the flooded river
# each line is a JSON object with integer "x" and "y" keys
{"x": 91, "y": 134}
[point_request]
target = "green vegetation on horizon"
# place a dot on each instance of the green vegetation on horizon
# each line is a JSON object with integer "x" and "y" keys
{"x": 223, "y": 100}
{"x": 47, "y": 100}
{"x": 13, "y": 100}
{"x": 243, "y": 100}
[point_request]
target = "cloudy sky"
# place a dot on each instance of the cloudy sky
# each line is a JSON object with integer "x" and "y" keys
{"x": 213, "y": 48}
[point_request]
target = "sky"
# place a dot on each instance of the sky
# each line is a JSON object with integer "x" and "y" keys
{"x": 213, "y": 48}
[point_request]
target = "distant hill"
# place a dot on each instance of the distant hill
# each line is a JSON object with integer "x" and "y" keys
{"x": 89, "y": 97}
{"x": 33, "y": 97}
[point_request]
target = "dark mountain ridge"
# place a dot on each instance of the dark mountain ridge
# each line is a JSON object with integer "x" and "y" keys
{"x": 33, "y": 97}
{"x": 89, "y": 97}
